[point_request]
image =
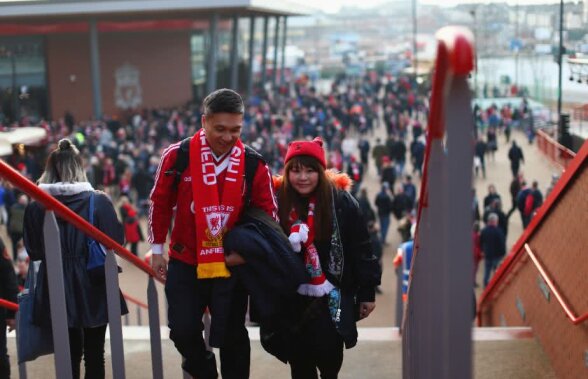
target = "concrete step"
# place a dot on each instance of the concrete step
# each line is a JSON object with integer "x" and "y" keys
{"x": 498, "y": 353}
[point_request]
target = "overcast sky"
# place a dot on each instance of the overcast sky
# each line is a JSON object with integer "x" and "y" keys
{"x": 334, "y": 5}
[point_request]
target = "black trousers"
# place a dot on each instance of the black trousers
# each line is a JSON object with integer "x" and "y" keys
{"x": 317, "y": 345}
{"x": 188, "y": 298}
{"x": 89, "y": 343}
{"x": 4, "y": 362}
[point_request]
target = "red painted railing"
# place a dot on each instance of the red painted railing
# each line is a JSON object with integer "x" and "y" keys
{"x": 500, "y": 278}
{"x": 50, "y": 203}
{"x": 567, "y": 308}
{"x": 8, "y": 305}
{"x": 557, "y": 153}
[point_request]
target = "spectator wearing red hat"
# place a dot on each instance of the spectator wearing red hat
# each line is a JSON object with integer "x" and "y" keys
{"x": 327, "y": 307}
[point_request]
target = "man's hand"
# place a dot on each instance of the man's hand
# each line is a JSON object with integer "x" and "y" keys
{"x": 159, "y": 265}
{"x": 11, "y": 323}
{"x": 365, "y": 309}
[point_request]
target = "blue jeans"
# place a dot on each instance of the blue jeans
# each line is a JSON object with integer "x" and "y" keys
{"x": 384, "y": 225}
{"x": 490, "y": 265}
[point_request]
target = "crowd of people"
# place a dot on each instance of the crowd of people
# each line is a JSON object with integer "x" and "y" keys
{"x": 300, "y": 134}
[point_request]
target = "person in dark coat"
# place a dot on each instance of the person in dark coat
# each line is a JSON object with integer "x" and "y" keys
{"x": 525, "y": 203}
{"x": 480, "y": 154}
{"x": 515, "y": 155}
{"x": 493, "y": 244}
{"x": 365, "y": 206}
{"x": 337, "y": 252}
{"x": 384, "y": 205}
{"x": 388, "y": 172}
{"x": 87, "y": 313}
{"x": 492, "y": 195}
{"x": 8, "y": 291}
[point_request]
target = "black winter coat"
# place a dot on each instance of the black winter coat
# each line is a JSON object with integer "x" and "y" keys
{"x": 361, "y": 269}
{"x": 273, "y": 269}
{"x": 85, "y": 300}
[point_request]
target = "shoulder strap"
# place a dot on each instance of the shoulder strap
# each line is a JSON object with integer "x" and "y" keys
{"x": 91, "y": 209}
{"x": 182, "y": 161}
{"x": 252, "y": 159}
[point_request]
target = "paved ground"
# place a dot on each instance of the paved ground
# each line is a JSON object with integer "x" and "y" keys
{"x": 520, "y": 359}
{"x": 370, "y": 359}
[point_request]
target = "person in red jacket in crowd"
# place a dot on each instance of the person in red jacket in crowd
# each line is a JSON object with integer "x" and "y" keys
{"x": 133, "y": 232}
{"x": 208, "y": 199}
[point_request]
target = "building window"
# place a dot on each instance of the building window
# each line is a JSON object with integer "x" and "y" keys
{"x": 23, "y": 85}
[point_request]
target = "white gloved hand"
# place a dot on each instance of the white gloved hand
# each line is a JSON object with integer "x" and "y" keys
{"x": 298, "y": 236}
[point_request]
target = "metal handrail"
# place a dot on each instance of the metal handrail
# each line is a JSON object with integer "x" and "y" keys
{"x": 8, "y": 305}
{"x": 51, "y": 204}
{"x": 555, "y": 151}
{"x": 14, "y": 307}
{"x": 564, "y": 304}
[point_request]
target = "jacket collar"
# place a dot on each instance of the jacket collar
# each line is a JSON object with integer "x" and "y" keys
{"x": 65, "y": 189}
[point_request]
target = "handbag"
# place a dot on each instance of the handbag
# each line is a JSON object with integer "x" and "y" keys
{"x": 96, "y": 252}
{"x": 33, "y": 340}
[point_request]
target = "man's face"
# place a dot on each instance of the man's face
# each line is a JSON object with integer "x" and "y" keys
{"x": 222, "y": 131}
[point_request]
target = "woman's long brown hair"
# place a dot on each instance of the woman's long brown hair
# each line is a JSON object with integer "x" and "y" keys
{"x": 289, "y": 199}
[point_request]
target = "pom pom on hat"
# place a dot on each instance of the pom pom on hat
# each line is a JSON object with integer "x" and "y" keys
{"x": 312, "y": 148}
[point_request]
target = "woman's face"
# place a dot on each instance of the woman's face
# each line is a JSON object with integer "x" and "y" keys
{"x": 303, "y": 179}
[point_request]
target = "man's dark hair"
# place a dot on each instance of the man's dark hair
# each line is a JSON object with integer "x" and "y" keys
{"x": 223, "y": 100}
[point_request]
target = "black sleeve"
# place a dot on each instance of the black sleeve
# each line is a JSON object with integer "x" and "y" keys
{"x": 32, "y": 232}
{"x": 365, "y": 264}
{"x": 8, "y": 283}
{"x": 105, "y": 218}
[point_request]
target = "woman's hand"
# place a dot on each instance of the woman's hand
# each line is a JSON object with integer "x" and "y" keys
{"x": 234, "y": 259}
{"x": 365, "y": 309}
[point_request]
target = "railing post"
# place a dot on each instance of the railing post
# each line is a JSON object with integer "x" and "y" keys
{"x": 399, "y": 302}
{"x": 458, "y": 262}
{"x": 22, "y": 367}
{"x": 113, "y": 298}
{"x": 139, "y": 321}
{"x": 154, "y": 330}
{"x": 59, "y": 325}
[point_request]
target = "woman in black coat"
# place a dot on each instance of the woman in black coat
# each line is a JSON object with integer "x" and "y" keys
{"x": 65, "y": 179}
{"x": 326, "y": 226}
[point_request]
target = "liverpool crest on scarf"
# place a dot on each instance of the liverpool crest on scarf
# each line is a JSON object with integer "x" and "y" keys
{"x": 214, "y": 213}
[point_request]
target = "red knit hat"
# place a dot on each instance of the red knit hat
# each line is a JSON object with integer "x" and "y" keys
{"x": 312, "y": 148}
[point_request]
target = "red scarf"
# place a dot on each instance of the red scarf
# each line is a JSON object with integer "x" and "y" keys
{"x": 214, "y": 215}
{"x": 318, "y": 285}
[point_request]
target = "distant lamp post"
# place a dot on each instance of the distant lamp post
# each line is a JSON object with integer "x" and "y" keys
{"x": 414, "y": 42}
{"x": 475, "y": 29}
{"x": 559, "y": 61}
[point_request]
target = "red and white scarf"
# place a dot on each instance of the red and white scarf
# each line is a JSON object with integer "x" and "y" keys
{"x": 318, "y": 285}
{"x": 214, "y": 213}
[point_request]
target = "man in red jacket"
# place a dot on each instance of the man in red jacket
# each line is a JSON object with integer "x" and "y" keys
{"x": 208, "y": 199}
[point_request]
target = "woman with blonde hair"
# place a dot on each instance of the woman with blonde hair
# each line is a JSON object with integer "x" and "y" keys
{"x": 65, "y": 179}
{"x": 326, "y": 226}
